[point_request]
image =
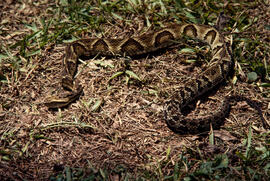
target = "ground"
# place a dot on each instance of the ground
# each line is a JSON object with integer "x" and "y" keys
{"x": 116, "y": 129}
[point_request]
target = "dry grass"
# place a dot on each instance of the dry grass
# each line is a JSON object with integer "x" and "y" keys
{"x": 125, "y": 136}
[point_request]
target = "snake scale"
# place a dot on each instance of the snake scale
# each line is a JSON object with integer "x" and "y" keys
{"x": 220, "y": 65}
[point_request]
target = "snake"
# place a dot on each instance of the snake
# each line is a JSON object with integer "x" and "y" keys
{"x": 218, "y": 69}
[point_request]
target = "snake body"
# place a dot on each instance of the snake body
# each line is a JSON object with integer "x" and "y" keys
{"x": 217, "y": 71}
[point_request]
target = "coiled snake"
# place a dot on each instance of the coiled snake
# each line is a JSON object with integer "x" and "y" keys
{"x": 217, "y": 71}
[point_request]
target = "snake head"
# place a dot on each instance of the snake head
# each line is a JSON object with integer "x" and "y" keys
{"x": 174, "y": 117}
{"x": 179, "y": 123}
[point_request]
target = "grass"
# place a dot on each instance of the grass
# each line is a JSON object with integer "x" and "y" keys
{"x": 116, "y": 130}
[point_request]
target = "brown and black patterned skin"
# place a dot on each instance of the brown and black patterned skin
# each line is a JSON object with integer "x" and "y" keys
{"x": 219, "y": 67}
